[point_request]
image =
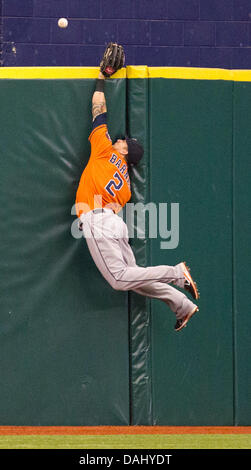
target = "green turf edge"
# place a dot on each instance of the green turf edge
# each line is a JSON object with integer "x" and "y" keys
{"x": 156, "y": 441}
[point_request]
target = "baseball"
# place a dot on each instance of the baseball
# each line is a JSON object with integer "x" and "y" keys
{"x": 62, "y": 23}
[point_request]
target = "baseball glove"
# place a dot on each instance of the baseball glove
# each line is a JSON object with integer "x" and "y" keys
{"x": 113, "y": 59}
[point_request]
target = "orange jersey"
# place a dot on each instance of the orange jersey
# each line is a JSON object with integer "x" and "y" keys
{"x": 105, "y": 180}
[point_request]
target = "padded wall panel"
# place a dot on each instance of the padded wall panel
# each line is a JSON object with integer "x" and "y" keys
{"x": 191, "y": 164}
{"x": 64, "y": 351}
{"x": 139, "y": 311}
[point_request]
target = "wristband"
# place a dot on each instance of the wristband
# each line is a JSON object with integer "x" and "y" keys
{"x": 100, "y": 85}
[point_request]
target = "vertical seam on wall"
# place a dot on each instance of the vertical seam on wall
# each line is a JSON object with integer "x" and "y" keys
{"x": 129, "y": 358}
{"x": 149, "y": 251}
{"x": 233, "y": 256}
{"x": 129, "y": 303}
{"x": 129, "y": 298}
{"x": 140, "y": 327}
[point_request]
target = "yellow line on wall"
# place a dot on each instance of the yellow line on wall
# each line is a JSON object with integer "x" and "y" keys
{"x": 199, "y": 73}
{"x": 137, "y": 71}
{"x": 242, "y": 75}
{"x": 188, "y": 73}
{"x": 131, "y": 71}
{"x": 50, "y": 73}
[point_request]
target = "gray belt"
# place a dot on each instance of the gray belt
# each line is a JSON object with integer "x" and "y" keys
{"x": 98, "y": 211}
{"x": 95, "y": 211}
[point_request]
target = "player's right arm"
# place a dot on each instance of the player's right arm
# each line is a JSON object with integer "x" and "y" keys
{"x": 98, "y": 98}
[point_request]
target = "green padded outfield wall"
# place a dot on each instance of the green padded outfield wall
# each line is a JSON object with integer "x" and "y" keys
{"x": 198, "y": 151}
{"x": 63, "y": 330}
{"x": 75, "y": 352}
{"x": 191, "y": 136}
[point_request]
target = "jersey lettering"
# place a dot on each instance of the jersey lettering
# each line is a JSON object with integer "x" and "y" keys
{"x": 123, "y": 168}
{"x": 112, "y": 183}
{"x": 113, "y": 158}
{"x": 118, "y": 163}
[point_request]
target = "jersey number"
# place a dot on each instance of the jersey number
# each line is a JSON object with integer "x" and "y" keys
{"x": 114, "y": 184}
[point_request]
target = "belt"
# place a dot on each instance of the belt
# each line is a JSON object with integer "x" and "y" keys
{"x": 98, "y": 211}
{"x": 95, "y": 211}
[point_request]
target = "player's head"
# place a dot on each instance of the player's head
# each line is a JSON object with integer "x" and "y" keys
{"x": 130, "y": 148}
{"x": 121, "y": 146}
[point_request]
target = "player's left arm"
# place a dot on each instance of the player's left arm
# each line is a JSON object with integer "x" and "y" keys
{"x": 98, "y": 98}
{"x": 113, "y": 60}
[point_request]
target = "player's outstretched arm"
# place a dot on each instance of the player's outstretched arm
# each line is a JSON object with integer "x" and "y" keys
{"x": 113, "y": 60}
{"x": 98, "y": 98}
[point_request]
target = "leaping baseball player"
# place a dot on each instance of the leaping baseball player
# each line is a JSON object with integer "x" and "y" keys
{"x": 104, "y": 189}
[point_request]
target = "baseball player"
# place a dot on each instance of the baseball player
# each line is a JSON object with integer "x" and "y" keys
{"x": 104, "y": 188}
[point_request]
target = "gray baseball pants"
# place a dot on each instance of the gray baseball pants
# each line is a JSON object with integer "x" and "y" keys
{"x": 107, "y": 239}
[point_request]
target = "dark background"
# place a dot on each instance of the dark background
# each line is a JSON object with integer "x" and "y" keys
{"x": 182, "y": 33}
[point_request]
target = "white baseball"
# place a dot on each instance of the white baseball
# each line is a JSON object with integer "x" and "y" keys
{"x": 62, "y": 23}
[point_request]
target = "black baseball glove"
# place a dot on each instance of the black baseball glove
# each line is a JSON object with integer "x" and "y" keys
{"x": 113, "y": 59}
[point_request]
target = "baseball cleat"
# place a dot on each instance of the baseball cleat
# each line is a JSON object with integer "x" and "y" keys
{"x": 183, "y": 321}
{"x": 189, "y": 283}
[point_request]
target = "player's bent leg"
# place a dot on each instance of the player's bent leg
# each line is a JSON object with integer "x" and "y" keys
{"x": 176, "y": 300}
{"x": 111, "y": 259}
{"x": 115, "y": 260}
{"x": 183, "y": 308}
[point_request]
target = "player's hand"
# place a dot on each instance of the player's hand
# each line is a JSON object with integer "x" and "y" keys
{"x": 113, "y": 59}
